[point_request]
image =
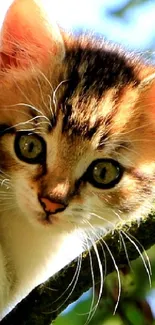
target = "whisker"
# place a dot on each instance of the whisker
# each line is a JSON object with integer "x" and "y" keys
{"x": 101, "y": 284}
{"x": 5, "y": 174}
{"x": 41, "y": 93}
{"x": 52, "y": 89}
{"x": 9, "y": 108}
{"x": 34, "y": 109}
{"x": 141, "y": 255}
{"x": 125, "y": 249}
{"x": 23, "y": 93}
{"x": 144, "y": 252}
{"x": 5, "y": 182}
{"x": 102, "y": 218}
{"x": 6, "y": 193}
{"x": 55, "y": 91}
{"x": 5, "y": 203}
{"x": 118, "y": 275}
{"x": 75, "y": 277}
{"x": 50, "y": 106}
{"x": 93, "y": 282}
{"x": 46, "y": 79}
{"x": 9, "y": 207}
{"x": 93, "y": 309}
{"x": 118, "y": 216}
{"x": 137, "y": 128}
{"x": 27, "y": 122}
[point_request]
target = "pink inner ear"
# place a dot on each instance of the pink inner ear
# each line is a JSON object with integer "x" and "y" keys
{"x": 28, "y": 35}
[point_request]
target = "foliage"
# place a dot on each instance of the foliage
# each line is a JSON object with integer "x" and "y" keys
{"x": 129, "y": 5}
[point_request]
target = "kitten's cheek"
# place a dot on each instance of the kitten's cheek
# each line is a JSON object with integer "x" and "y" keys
{"x": 27, "y": 202}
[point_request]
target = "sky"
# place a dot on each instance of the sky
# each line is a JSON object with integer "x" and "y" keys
{"x": 135, "y": 31}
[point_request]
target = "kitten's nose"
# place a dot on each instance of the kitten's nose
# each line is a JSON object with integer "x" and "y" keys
{"x": 50, "y": 206}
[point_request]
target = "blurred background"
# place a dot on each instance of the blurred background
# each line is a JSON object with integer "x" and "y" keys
{"x": 132, "y": 24}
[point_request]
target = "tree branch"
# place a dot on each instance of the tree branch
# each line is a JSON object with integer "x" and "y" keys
{"x": 44, "y": 303}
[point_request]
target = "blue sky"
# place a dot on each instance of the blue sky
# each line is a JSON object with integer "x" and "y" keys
{"x": 136, "y": 30}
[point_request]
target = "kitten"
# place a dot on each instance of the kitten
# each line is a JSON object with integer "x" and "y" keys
{"x": 76, "y": 145}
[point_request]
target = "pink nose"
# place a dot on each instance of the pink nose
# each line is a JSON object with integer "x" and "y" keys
{"x": 50, "y": 206}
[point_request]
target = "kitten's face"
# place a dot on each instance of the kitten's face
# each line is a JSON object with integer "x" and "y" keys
{"x": 72, "y": 160}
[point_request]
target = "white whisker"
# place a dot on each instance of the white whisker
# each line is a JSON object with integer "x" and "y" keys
{"x": 41, "y": 93}
{"x": 118, "y": 275}
{"x": 5, "y": 174}
{"x": 55, "y": 91}
{"x": 94, "y": 308}
{"x": 140, "y": 254}
{"x": 9, "y": 207}
{"x": 73, "y": 282}
{"x": 101, "y": 284}
{"x": 50, "y": 106}
{"x": 93, "y": 282}
{"x": 125, "y": 249}
{"x": 15, "y": 110}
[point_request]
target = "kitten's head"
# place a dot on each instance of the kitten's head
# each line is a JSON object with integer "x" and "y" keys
{"x": 77, "y": 126}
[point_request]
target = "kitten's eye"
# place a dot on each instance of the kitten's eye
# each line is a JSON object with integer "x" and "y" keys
{"x": 104, "y": 173}
{"x": 30, "y": 148}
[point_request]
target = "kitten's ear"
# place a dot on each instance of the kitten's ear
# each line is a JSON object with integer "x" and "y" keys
{"x": 28, "y": 36}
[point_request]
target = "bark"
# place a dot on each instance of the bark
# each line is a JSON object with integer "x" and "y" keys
{"x": 45, "y": 302}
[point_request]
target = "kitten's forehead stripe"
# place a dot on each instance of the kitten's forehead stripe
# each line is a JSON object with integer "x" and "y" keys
{"x": 92, "y": 73}
{"x": 110, "y": 117}
{"x": 99, "y": 70}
